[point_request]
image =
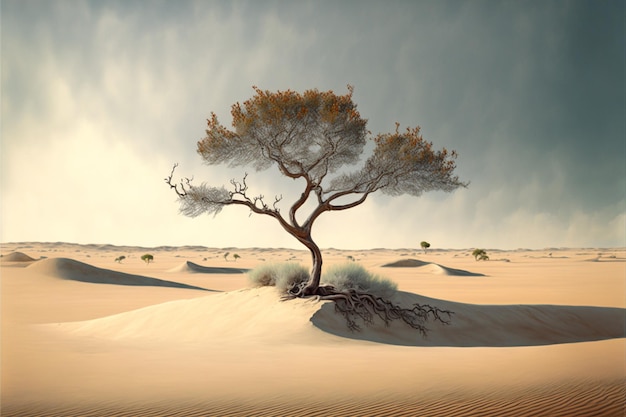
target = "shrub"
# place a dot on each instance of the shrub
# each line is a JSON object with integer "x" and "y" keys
{"x": 352, "y": 276}
{"x": 283, "y": 276}
{"x": 147, "y": 258}
{"x": 263, "y": 276}
{"x": 349, "y": 276}
{"x": 480, "y": 255}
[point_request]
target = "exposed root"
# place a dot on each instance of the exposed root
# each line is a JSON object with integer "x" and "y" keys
{"x": 354, "y": 305}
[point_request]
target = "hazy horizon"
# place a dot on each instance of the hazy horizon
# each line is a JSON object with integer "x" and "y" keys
{"x": 301, "y": 248}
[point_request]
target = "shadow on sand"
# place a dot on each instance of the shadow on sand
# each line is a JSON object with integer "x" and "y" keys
{"x": 474, "y": 325}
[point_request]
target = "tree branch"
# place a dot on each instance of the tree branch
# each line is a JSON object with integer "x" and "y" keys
{"x": 349, "y": 205}
{"x": 183, "y": 191}
{"x": 261, "y": 207}
{"x": 300, "y": 202}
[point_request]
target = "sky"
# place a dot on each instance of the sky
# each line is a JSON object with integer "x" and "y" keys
{"x": 101, "y": 98}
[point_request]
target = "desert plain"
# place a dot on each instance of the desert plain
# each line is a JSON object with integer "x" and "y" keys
{"x": 534, "y": 333}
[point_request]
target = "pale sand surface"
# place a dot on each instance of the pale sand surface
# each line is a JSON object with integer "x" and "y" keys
{"x": 532, "y": 334}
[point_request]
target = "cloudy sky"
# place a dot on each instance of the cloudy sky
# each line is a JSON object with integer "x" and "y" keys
{"x": 100, "y": 98}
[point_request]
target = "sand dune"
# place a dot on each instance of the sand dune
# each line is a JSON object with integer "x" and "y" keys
{"x": 191, "y": 267}
{"x": 17, "y": 257}
{"x": 73, "y": 270}
{"x": 254, "y": 314}
{"x": 406, "y": 263}
{"x": 432, "y": 268}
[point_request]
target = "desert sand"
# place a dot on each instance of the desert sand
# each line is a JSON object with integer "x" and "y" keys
{"x": 535, "y": 333}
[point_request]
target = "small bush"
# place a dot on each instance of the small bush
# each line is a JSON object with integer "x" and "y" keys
{"x": 480, "y": 255}
{"x": 283, "y": 276}
{"x": 263, "y": 276}
{"x": 352, "y": 276}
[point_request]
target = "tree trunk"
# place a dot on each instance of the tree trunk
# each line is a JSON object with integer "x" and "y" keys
{"x": 303, "y": 235}
{"x": 316, "y": 271}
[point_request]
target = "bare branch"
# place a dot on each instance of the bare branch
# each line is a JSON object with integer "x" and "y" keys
{"x": 277, "y": 199}
{"x": 169, "y": 180}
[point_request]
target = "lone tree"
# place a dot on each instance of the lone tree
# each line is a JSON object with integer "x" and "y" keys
{"x": 480, "y": 255}
{"x": 425, "y": 245}
{"x": 312, "y": 137}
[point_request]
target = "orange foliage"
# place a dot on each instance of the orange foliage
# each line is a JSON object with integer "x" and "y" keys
{"x": 410, "y": 147}
{"x": 275, "y": 107}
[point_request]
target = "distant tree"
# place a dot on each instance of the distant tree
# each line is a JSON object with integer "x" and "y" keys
{"x": 425, "y": 245}
{"x": 236, "y": 257}
{"x": 226, "y": 256}
{"x": 119, "y": 259}
{"x": 480, "y": 255}
{"x": 147, "y": 258}
{"x": 312, "y": 137}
